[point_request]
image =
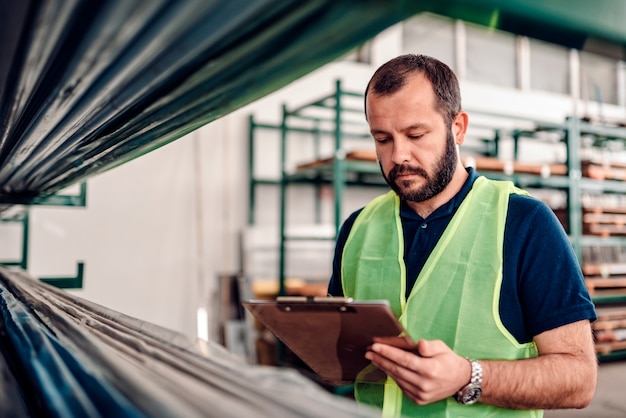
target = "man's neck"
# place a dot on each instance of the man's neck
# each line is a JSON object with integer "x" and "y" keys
{"x": 427, "y": 207}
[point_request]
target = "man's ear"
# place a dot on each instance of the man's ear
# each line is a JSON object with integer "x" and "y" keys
{"x": 459, "y": 127}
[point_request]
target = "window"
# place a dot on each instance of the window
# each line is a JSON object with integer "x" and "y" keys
{"x": 429, "y": 35}
{"x": 549, "y": 67}
{"x": 362, "y": 54}
{"x": 598, "y": 78}
{"x": 491, "y": 56}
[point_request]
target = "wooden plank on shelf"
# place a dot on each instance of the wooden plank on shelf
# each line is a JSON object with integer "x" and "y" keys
{"x": 269, "y": 288}
{"x": 512, "y": 167}
{"x": 603, "y": 283}
{"x": 605, "y": 348}
{"x": 603, "y": 325}
{"x": 604, "y": 210}
{"x": 603, "y": 172}
{"x": 610, "y": 334}
{"x": 314, "y": 164}
{"x": 611, "y": 313}
{"x": 604, "y": 230}
{"x": 355, "y": 155}
{"x": 603, "y": 222}
{"x": 480, "y": 163}
{"x": 362, "y": 155}
{"x": 594, "y": 218}
{"x": 604, "y": 270}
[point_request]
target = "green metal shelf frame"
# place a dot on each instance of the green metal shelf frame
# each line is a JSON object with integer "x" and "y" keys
{"x": 334, "y": 104}
{"x": 23, "y": 218}
{"x": 55, "y": 199}
{"x": 334, "y": 173}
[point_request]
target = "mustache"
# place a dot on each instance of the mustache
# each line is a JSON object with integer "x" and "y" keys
{"x": 400, "y": 170}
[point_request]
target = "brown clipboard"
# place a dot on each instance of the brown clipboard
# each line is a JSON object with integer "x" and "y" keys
{"x": 331, "y": 335}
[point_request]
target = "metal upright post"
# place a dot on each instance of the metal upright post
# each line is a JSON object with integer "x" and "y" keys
{"x": 318, "y": 186}
{"x": 25, "y": 235}
{"x": 283, "y": 202}
{"x": 575, "y": 173}
{"x": 251, "y": 175}
{"x": 338, "y": 161}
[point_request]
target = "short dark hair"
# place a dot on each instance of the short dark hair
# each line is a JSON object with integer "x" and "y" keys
{"x": 391, "y": 77}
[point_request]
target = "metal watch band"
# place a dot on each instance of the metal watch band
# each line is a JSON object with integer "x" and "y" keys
{"x": 470, "y": 393}
{"x": 477, "y": 373}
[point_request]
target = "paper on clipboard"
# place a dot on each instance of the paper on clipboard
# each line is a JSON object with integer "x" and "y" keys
{"x": 331, "y": 335}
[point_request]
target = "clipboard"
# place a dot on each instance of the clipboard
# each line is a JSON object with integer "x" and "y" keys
{"x": 331, "y": 334}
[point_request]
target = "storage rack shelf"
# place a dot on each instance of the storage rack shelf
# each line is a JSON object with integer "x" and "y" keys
{"x": 16, "y": 210}
{"x": 576, "y": 177}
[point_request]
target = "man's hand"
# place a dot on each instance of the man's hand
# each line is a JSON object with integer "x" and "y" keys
{"x": 564, "y": 374}
{"x": 434, "y": 374}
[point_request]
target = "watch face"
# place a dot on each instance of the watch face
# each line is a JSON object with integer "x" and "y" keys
{"x": 470, "y": 394}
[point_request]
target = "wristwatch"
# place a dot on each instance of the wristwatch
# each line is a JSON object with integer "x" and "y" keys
{"x": 470, "y": 393}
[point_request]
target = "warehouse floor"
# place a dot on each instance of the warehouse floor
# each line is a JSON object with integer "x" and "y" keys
{"x": 610, "y": 399}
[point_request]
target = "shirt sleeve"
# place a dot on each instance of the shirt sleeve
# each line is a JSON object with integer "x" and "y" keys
{"x": 335, "y": 287}
{"x": 549, "y": 281}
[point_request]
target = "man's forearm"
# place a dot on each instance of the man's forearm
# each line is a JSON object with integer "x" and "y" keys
{"x": 549, "y": 381}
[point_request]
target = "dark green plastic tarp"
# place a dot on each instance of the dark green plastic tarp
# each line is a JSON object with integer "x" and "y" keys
{"x": 86, "y": 85}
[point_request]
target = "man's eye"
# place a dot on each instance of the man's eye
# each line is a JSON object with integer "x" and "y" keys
{"x": 415, "y": 136}
{"x": 382, "y": 140}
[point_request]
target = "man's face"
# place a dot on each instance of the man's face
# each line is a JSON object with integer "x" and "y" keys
{"x": 416, "y": 150}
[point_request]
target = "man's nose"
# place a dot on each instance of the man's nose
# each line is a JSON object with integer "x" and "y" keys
{"x": 401, "y": 151}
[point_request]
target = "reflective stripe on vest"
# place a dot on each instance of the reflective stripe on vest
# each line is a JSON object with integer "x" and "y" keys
{"x": 455, "y": 298}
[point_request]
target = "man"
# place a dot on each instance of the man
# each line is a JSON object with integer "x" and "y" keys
{"x": 479, "y": 272}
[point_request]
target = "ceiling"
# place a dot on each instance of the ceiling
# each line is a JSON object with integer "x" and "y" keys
{"x": 87, "y": 85}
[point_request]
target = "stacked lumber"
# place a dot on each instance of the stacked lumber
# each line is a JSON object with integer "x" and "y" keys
{"x": 610, "y": 330}
{"x": 511, "y": 167}
{"x": 479, "y": 163}
{"x": 604, "y": 221}
{"x": 604, "y": 171}
{"x": 356, "y": 155}
{"x": 604, "y": 268}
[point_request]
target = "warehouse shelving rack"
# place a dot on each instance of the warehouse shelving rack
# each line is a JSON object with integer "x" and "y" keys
{"x": 21, "y": 216}
{"x": 337, "y": 170}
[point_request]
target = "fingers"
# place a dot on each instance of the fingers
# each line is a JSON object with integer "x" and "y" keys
{"x": 431, "y": 375}
{"x": 387, "y": 357}
{"x": 404, "y": 368}
{"x": 432, "y": 348}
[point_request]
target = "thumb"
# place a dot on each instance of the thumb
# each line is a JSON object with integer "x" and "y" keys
{"x": 432, "y": 348}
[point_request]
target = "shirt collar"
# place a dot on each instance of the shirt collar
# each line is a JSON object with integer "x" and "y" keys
{"x": 447, "y": 208}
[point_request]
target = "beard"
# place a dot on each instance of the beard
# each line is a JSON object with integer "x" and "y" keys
{"x": 435, "y": 183}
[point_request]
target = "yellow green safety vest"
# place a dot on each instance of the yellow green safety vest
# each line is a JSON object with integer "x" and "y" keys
{"x": 455, "y": 298}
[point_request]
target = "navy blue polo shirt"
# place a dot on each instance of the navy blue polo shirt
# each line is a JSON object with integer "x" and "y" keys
{"x": 542, "y": 284}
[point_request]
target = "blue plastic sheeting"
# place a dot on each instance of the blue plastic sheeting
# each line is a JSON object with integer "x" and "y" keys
{"x": 55, "y": 372}
{"x": 83, "y": 360}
